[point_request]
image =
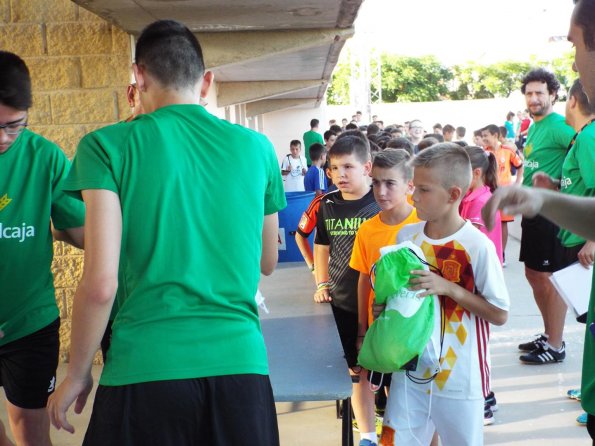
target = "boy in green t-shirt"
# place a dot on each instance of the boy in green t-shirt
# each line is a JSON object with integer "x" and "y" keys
{"x": 32, "y": 173}
{"x": 186, "y": 345}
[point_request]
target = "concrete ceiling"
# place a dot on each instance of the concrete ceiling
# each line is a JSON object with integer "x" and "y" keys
{"x": 267, "y": 54}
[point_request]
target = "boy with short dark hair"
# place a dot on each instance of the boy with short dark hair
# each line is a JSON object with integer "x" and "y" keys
{"x": 446, "y": 392}
{"x": 206, "y": 381}
{"x": 32, "y": 175}
{"x": 339, "y": 216}
{"x": 315, "y": 179}
{"x": 293, "y": 168}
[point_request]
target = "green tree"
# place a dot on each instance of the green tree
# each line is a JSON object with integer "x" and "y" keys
{"x": 413, "y": 79}
{"x": 338, "y": 90}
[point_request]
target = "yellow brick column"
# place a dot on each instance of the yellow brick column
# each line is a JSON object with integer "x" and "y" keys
{"x": 80, "y": 66}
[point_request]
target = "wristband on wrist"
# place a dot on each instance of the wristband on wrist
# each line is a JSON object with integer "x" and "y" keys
{"x": 323, "y": 286}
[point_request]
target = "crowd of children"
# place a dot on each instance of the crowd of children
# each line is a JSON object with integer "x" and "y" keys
{"x": 387, "y": 190}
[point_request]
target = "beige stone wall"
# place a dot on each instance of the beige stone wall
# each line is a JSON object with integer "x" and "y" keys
{"x": 80, "y": 68}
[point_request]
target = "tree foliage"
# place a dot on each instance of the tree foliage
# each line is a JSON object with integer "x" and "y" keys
{"x": 420, "y": 79}
{"x": 413, "y": 79}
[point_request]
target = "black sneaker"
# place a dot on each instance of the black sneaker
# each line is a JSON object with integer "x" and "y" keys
{"x": 491, "y": 401}
{"x": 544, "y": 355}
{"x": 488, "y": 415}
{"x": 532, "y": 345}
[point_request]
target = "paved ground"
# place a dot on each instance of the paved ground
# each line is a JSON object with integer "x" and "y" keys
{"x": 534, "y": 409}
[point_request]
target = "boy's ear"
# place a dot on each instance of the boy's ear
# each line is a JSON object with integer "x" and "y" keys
{"x": 410, "y": 187}
{"x": 455, "y": 194}
{"x": 207, "y": 81}
{"x": 367, "y": 168}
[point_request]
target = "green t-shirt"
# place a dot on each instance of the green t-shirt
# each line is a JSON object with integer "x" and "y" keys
{"x": 546, "y": 147}
{"x": 578, "y": 175}
{"x": 588, "y": 377}
{"x": 32, "y": 172}
{"x": 310, "y": 137}
{"x": 194, "y": 190}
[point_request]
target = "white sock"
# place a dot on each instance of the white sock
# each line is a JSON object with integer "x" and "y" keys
{"x": 551, "y": 347}
{"x": 369, "y": 436}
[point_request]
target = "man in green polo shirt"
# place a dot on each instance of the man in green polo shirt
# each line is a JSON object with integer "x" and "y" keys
{"x": 574, "y": 213}
{"x": 32, "y": 174}
{"x": 541, "y": 250}
{"x": 184, "y": 248}
{"x": 310, "y": 137}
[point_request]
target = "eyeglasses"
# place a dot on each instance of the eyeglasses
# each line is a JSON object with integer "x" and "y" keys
{"x": 13, "y": 128}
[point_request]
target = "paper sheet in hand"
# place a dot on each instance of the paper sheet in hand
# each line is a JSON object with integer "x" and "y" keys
{"x": 574, "y": 285}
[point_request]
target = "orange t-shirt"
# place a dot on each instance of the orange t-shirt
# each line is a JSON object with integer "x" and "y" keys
{"x": 372, "y": 235}
{"x": 505, "y": 156}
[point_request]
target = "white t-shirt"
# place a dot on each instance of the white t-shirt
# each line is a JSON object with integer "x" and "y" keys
{"x": 294, "y": 180}
{"x": 467, "y": 258}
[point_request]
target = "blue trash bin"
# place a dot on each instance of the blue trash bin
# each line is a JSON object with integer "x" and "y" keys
{"x": 297, "y": 203}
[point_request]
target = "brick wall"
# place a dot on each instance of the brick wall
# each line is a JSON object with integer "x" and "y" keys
{"x": 80, "y": 66}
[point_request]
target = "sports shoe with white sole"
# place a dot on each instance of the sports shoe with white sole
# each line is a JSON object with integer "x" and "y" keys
{"x": 544, "y": 355}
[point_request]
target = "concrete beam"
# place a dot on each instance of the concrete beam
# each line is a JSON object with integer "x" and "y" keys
{"x": 230, "y": 93}
{"x": 271, "y": 105}
{"x": 230, "y": 48}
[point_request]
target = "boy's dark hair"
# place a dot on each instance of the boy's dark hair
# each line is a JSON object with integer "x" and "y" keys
{"x": 352, "y": 142}
{"x": 336, "y": 129}
{"x": 15, "y": 82}
{"x": 486, "y": 161}
{"x": 576, "y": 91}
{"x": 316, "y": 151}
{"x": 448, "y": 129}
{"x": 391, "y": 158}
{"x": 170, "y": 53}
{"x": 584, "y": 17}
{"x": 437, "y": 126}
{"x": 503, "y": 131}
{"x": 544, "y": 76}
{"x": 450, "y": 162}
{"x": 428, "y": 141}
{"x": 461, "y": 143}
{"x": 328, "y": 134}
{"x": 461, "y": 131}
{"x": 382, "y": 141}
{"x": 351, "y": 126}
{"x": 314, "y": 123}
{"x": 492, "y": 129}
{"x": 295, "y": 142}
{"x": 509, "y": 116}
{"x": 401, "y": 143}
{"x": 436, "y": 136}
{"x": 372, "y": 129}
{"x": 477, "y": 132}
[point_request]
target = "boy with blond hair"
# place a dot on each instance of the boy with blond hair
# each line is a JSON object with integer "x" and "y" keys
{"x": 339, "y": 216}
{"x": 446, "y": 392}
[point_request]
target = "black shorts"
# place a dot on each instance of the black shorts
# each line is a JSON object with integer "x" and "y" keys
{"x": 216, "y": 411}
{"x": 28, "y": 367}
{"x": 541, "y": 249}
{"x": 347, "y": 326}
